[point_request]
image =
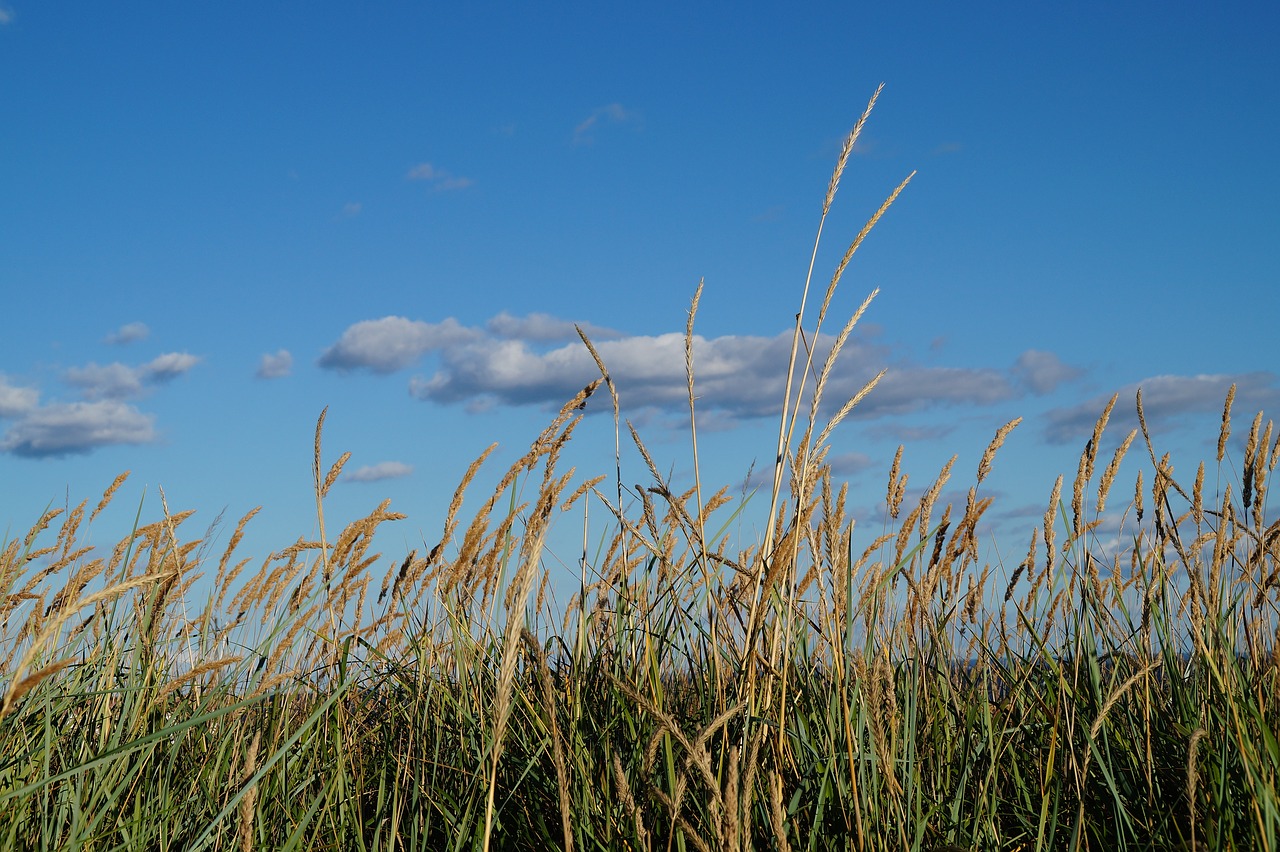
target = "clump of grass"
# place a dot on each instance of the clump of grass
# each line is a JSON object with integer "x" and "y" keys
{"x": 821, "y": 688}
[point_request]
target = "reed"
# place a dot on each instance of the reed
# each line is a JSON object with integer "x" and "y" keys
{"x": 1101, "y": 694}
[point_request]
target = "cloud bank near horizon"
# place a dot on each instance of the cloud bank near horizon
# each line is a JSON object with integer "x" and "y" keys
{"x": 539, "y": 360}
{"x": 101, "y": 418}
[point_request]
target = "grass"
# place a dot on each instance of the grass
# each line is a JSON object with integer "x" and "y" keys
{"x": 822, "y": 689}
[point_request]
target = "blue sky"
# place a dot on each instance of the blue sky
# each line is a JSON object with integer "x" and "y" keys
{"x": 217, "y": 219}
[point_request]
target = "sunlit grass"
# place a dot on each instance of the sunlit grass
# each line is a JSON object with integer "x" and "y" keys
{"x": 821, "y": 689}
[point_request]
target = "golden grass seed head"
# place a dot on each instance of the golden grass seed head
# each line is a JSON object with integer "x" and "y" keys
{"x": 19, "y": 688}
{"x": 1250, "y": 463}
{"x": 897, "y": 487}
{"x": 1260, "y": 470}
{"x": 1137, "y": 497}
{"x": 931, "y": 495}
{"x": 940, "y": 538}
{"x": 846, "y": 149}
{"x": 1113, "y": 467}
{"x": 108, "y": 494}
{"x": 1225, "y": 431}
{"x": 1050, "y": 523}
{"x": 777, "y": 813}
{"x": 984, "y": 466}
{"x": 1077, "y": 491}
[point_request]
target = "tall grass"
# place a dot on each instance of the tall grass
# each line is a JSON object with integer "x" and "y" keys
{"x": 824, "y": 688}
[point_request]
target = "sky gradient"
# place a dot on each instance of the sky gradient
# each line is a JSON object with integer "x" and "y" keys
{"x": 217, "y": 220}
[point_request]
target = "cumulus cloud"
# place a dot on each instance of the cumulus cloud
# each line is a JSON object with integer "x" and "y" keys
{"x": 120, "y": 381}
{"x": 105, "y": 381}
{"x": 275, "y": 366}
{"x": 438, "y": 179}
{"x": 739, "y": 375}
{"x": 168, "y": 366}
{"x": 850, "y": 464}
{"x": 615, "y": 113}
{"x": 1165, "y": 400}
{"x": 16, "y": 401}
{"x": 544, "y": 327}
{"x": 1041, "y": 372}
{"x": 102, "y": 418}
{"x": 539, "y": 360}
{"x": 392, "y": 343}
{"x": 379, "y": 471}
{"x": 62, "y": 429}
{"x": 128, "y": 333}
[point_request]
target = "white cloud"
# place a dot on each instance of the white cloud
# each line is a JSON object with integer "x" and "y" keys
{"x": 392, "y": 343}
{"x": 1165, "y": 400}
{"x": 544, "y": 327}
{"x": 615, "y": 113}
{"x": 168, "y": 366}
{"x": 105, "y": 381}
{"x": 379, "y": 471}
{"x": 6, "y": 15}
{"x": 16, "y": 401}
{"x": 275, "y": 366}
{"x": 128, "y": 333}
{"x": 68, "y": 428}
{"x": 1041, "y": 372}
{"x": 851, "y": 464}
{"x": 439, "y": 179}
{"x": 538, "y": 360}
{"x": 351, "y": 210}
{"x": 120, "y": 381}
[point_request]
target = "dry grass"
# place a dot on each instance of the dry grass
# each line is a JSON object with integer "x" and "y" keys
{"x": 819, "y": 688}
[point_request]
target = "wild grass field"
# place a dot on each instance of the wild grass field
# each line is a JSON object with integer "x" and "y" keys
{"x": 827, "y": 688}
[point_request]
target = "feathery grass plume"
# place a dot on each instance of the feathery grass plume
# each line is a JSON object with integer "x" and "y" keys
{"x": 777, "y": 815}
{"x": 828, "y": 365}
{"x": 1193, "y": 805}
{"x": 617, "y": 415}
{"x": 1260, "y": 470}
{"x": 583, "y": 488}
{"x": 108, "y": 494}
{"x": 204, "y": 668}
{"x": 1109, "y": 474}
{"x": 248, "y": 804}
{"x": 1050, "y": 524}
{"x": 530, "y": 553}
{"x": 1250, "y": 464}
{"x": 791, "y": 396}
{"x": 1225, "y": 432}
{"x": 847, "y": 149}
{"x": 1095, "y": 440}
{"x": 553, "y": 729}
{"x": 1084, "y": 472}
{"x": 1146, "y": 436}
{"x": 984, "y": 466}
{"x": 931, "y": 495}
{"x": 55, "y": 621}
{"x": 731, "y": 832}
{"x": 322, "y": 487}
{"x": 1023, "y": 567}
{"x": 223, "y": 579}
{"x": 847, "y": 407}
{"x": 627, "y": 800}
{"x": 1137, "y": 497}
{"x": 897, "y": 487}
{"x": 20, "y": 687}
